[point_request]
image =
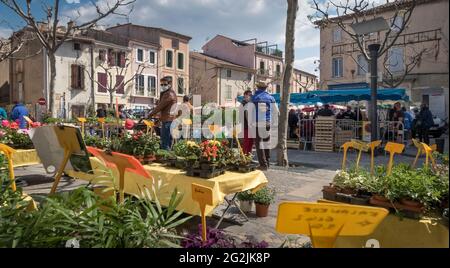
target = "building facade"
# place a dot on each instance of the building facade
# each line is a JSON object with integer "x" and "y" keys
{"x": 173, "y": 53}
{"x": 343, "y": 66}
{"x": 303, "y": 81}
{"x": 217, "y": 80}
{"x": 266, "y": 59}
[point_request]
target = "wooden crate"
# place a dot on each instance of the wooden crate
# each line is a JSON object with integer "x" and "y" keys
{"x": 324, "y": 134}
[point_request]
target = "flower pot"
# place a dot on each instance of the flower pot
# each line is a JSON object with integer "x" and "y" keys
{"x": 380, "y": 198}
{"x": 410, "y": 203}
{"x": 348, "y": 191}
{"x": 329, "y": 193}
{"x": 262, "y": 210}
{"x": 149, "y": 159}
{"x": 246, "y": 205}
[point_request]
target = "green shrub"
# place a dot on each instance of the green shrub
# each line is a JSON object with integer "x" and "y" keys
{"x": 265, "y": 196}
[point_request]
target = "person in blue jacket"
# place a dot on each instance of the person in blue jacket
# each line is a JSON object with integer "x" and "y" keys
{"x": 3, "y": 114}
{"x": 263, "y": 100}
{"x": 18, "y": 112}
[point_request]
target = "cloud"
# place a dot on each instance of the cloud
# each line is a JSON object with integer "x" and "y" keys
{"x": 204, "y": 19}
{"x": 5, "y": 32}
{"x": 308, "y": 64}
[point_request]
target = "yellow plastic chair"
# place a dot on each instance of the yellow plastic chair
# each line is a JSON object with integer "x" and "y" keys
{"x": 393, "y": 148}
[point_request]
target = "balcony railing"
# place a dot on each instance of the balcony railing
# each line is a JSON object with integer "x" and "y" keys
{"x": 270, "y": 51}
{"x": 403, "y": 39}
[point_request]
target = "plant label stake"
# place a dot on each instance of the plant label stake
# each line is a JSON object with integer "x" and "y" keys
{"x": 67, "y": 138}
{"x": 373, "y": 145}
{"x": 102, "y": 122}
{"x": 82, "y": 120}
{"x": 420, "y": 150}
{"x": 393, "y": 148}
{"x": 203, "y": 195}
{"x": 324, "y": 222}
{"x": 150, "y": 126}
{"x": 8, "y": 151}
{"x": 360, "y": 146}
{"x": 429, "y": 156}
{"x": 345, "y": 148}
{"x": 123, "y": 163}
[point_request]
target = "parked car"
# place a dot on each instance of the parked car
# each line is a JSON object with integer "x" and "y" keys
{"x": 137, "y": 114}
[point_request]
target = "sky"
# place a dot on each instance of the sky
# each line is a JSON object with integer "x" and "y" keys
{"x": 202, "y": 20}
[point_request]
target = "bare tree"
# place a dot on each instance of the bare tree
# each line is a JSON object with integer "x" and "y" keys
{"x": 345, "y": 13}
{"x": 305, "y": 85}
{"x": 287, "y": 74}
{"x": 52, "y": 34}
{"x": 112, "y": 85}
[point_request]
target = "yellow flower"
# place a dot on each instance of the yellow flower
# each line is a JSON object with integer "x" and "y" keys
{"x": 192, "y": 144}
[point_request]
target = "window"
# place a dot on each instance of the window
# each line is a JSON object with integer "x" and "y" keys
{"x": 278, "y": 70}
{"x": 228, "y": 93}
{"x": 397, "y": 23}
{"x": 228, "y": 73}
{"x": 139, "y": 55}
{"x": 180, "y": 61}
{"x": 262, "y": 67}
{"x": 152, "y": 57}
{"x": 337, "y": 35}
{"x": 249, "y": 76}
{"x": 102, "y": 55}
{"x": 169, "y": 58}
{"x": 363, "y": 65}
{"x": 120, "y": 87}
{"x": 76, "y": 46}
{"x": 337, "y": 65}
{"x": 180, "y": 86}
{"x": 116, "y": 58}
{"x": 175, "y": 43}
{"x": 77, "y": 111}
{"x": 151, "y": 86}
{"x": 278, "y": 88}
{"x": 395, "y": 60}
{"x": 102, "y": 81}
{"x": 140, "y": 85}
{"x": 77, "y": 77}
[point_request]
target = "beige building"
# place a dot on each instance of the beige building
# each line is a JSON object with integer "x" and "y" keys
{"x": 173, "y": 53}
{"x": 217, "y": 80}
{"x": 78, "y": 74}
{"x": 303, "y": 81}
{"x": 266, "y": 59}
{"x": 343, "y": 66}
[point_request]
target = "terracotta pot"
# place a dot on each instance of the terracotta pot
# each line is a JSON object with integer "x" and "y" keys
{"x": 380, "y": 198}
{"x": 262, "y": 210}
{"x": 245, "y": 205}
{"x": 410, "y": 203}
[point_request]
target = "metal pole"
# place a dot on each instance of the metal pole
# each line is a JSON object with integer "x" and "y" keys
{"x": 373, "y": 48}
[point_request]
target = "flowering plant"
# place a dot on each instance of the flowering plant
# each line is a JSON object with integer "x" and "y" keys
{"x": 12, "y": 136}
{"x": 213, "y": 151}
{"x": 216, "y": 238}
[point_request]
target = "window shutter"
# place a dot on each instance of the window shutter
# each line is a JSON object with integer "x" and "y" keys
{"x": 102, "y": 80}
{"x": 81, "y": 75}
{"x": 120, "y": 89}
{"x": 74, "y": 77}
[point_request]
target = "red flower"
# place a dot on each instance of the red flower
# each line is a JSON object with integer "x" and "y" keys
{"x": 14, "y": 125}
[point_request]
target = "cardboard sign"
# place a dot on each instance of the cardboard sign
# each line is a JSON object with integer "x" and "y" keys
{"x": 328, "y": 220}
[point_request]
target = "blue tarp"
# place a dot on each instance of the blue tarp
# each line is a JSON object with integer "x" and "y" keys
{"x": 344, "y": 95}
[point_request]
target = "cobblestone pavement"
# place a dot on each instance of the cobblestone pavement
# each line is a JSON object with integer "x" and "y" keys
{"x": 302, "y": 181}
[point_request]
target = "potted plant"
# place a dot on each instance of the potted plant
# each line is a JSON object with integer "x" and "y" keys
{"x": 162, "y": 155}
{"x": 263, "y": 198}
{"x": 212, "y": 155}
{"x": 245, "y": 201}
{"x": 152, "y": 145}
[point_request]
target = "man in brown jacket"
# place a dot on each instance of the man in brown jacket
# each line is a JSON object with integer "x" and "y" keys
{"x": 167, "y": 99}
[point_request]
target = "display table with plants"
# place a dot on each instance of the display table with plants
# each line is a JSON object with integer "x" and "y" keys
{"x": 170, "y": 179}
{"x": 417, "y": 198}
{"x": 11, "y": 135}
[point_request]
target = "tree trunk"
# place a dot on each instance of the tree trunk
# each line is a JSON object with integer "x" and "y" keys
{"x": 285, "y": 95}
{"x": 51, "y": 101}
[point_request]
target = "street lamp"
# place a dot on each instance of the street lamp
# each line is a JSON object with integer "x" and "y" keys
{"x": 360, "y": 29}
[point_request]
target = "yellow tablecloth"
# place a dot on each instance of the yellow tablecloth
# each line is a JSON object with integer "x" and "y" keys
{"x": 168, "y": 179}
{"x": 395, "y": 232}
{"x": 25, "y": 158}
